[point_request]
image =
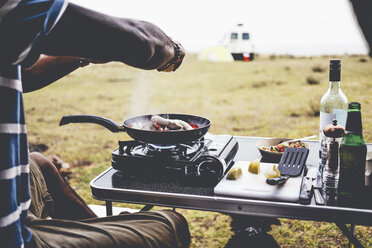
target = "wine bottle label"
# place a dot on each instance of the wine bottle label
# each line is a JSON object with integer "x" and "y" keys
{"x": 341, "y": 116}
{"x": 325, "y": 119}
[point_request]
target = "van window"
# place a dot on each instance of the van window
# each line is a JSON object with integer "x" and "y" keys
{"x": 245, "y": 36}
{"x": 234, "y": 36}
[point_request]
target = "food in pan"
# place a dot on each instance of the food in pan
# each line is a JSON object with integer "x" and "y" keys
{"x": 158, "y": 123}
{"x": 234, "y": 174}
{"x": 282, "y": 146}
{"x": 272, "y": 173}
{"x": 254, "y": 166}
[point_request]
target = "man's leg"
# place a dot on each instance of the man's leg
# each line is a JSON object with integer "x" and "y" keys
{"x": 67, "y": 204}
{"x": 153, "y": 229}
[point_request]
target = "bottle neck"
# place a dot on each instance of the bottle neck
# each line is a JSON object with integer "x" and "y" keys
{"x": 354, "y": 122}
{"x": 334, "y": 79}
{"x": 334, "y": 86}
{"x": 335, "y": 74}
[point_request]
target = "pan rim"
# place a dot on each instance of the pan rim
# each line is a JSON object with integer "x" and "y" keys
{"x": 171, "y": 131}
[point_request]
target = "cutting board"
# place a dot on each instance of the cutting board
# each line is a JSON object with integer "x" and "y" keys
{"x": 251, "y": 185}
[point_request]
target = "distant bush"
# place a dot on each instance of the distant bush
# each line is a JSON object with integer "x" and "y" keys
{"x": 33, "y": 147}
{"x": 314, "y": 108}
{"x": 265, "y": 83}
{"x": 363, "y": 60}
{"x": 317, "y": 68}
{"x": 259, "y": 84}
{"x": 312, "y": 81}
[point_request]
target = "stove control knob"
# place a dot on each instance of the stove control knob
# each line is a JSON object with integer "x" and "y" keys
{"x": 210, "y": 167}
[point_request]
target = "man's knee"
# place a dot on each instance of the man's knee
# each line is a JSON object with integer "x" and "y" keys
{"x": 181, "y": 227}
{"x": 45, "y": 164}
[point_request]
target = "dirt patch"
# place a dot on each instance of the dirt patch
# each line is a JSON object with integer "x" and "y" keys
{"x": 259, "y": 85}
{"x": 83, "y": 163}
{"x": 119, "y": 80}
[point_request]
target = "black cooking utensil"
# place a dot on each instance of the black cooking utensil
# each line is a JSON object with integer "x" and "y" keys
{"x": 147, "y": 136}
{"x": 308, "y": 183}
{"x": 291, "y": 165}
{"x": 318, "y": 186}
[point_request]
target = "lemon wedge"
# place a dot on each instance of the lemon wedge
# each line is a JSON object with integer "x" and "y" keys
{"x": 254, "y": 166}
{"x": 272, "y": 173}
{"x": 234, "y": 174}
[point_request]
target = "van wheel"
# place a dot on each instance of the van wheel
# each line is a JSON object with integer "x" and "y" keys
{"x": 251, "y": 56}
{"x": 237, "y": 56}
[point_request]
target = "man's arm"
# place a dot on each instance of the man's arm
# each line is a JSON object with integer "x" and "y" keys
{"x": 362, "y": 12}
{"x": 89, "y": 34}
{"x": 48, "y": 69}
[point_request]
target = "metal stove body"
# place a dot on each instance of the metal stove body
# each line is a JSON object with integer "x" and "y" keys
{"x": 205, "y": 160}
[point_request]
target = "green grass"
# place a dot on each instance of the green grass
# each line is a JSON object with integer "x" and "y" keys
{"x": 268, "y": 97}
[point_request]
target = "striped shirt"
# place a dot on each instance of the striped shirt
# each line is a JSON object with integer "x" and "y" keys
{"x": 22, "y": 30}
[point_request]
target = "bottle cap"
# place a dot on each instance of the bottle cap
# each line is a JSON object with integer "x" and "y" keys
{"x": 354, "y": 119}
{"x": 333, "y": 130}
{"x": 335, "y": 64}
{"x": 354, "y": 105}
{"x": 334, "y": 70}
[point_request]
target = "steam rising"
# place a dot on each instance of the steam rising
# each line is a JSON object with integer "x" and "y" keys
{"x": 141, "y": 95}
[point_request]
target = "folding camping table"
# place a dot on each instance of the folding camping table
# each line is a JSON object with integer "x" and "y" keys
{"x": 110, "y": 187}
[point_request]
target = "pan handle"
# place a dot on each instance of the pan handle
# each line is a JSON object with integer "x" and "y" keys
{"x": 107, "y": 123}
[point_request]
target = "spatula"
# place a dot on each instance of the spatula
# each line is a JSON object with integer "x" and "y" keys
{"x": 291, "y": 165}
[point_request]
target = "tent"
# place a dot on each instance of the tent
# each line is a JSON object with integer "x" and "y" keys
{"x": 215, "y": 54}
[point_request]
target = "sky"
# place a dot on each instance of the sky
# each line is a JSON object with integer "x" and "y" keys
{"x": 295, "y": 27}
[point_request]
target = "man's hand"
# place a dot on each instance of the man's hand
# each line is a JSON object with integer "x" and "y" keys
{"x": 176, "y": 61}
{"x": 89, "y": 34}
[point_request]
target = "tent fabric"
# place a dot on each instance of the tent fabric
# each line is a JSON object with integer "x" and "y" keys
{"x": 215, "y": 54}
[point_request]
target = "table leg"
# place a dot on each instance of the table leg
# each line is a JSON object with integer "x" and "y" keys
{"x": 147, "y": 207}
{"x": 352, "y": 229}
{"x": 108, "y": 208}
{"x": 349, "y": 233}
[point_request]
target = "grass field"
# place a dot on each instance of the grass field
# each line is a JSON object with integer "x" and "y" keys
{"x": 271, "y": 96}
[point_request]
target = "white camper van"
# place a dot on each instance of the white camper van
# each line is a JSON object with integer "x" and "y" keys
{"x": 239, "y": 43}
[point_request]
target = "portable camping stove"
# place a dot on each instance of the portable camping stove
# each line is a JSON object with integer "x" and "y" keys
{"x": 206, "y": 159}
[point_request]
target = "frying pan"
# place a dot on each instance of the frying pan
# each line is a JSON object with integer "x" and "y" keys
{"x": 147, "y": 136}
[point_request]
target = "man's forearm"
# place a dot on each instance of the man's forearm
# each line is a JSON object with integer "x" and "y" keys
{"x": 85, "y": 33}
{"x": 47, "y": 70}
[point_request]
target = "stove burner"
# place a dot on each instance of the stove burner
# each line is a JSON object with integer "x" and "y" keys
{"x": 181, "y": 150}
{"x": 206, "y": 159}
{"x": 174, "y": 152}
{"x": 160, "y": 148}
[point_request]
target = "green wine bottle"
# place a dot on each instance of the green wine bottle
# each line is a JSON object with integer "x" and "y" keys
{"x": 353, "y": 151}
